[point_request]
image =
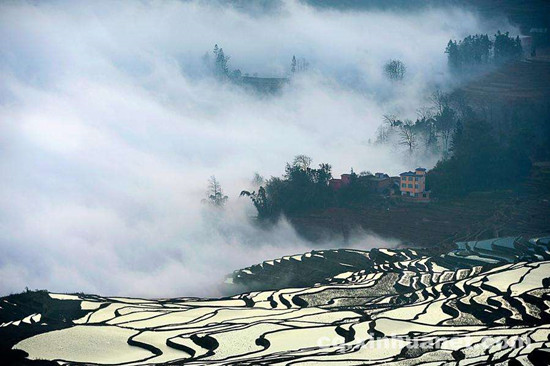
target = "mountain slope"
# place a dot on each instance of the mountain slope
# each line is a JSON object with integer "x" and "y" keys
{"x": 485, "y": 302}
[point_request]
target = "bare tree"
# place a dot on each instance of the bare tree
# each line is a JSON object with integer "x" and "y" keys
{"x": 383, "y": 134}
{"x": 407, "y": 135}
{"x": 391, "y": 120}
{"x": 425, "y": 124}
{"x": 388, "y": 128}
{"x": 445, "y": 123}
{"x": 302, "y": 161}
{"x": 214, "y": 195}
{"x": 439, "y": 100}
{"x": 424, "y": 113}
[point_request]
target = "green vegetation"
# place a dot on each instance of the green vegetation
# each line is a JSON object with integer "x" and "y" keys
{"x": 217, "y": 64}
{"x": 485, "y": 145}
{"x": 479, "y": 161}
{"x": 395, "y": 70}
{"x": 431, "y": 132}
{"x": 480, "y": 152}
{"x": 479, "y": 49}
{"x": 303, "y": 189}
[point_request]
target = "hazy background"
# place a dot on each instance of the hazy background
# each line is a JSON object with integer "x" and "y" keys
{"x": 110, "y": 127}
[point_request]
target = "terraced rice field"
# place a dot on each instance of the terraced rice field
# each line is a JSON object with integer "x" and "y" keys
{"x": 484, "y": 302}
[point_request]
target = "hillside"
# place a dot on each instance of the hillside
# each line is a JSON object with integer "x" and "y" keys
{"x": 480, "y": 215}
{"x": 524, "y": 81}
{"x": 485, "y": 302}
{"x": 522, "y": 210}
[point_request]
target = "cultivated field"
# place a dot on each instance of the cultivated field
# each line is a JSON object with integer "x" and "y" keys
{"x": 483, "y": 303}
{"x": 528, "y": 79}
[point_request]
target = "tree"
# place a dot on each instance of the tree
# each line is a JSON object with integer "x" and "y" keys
{"x": 386, "y": 130}
{"x": 426, "y": 127}
{"x": 257, "y": 180}
{"x": 221, "y": 65}
{"x": 424, "y": 113}
{"x": 214, "y": 195}
{"x": 475, "y": 50}
{"x": 298, "y": 65}
{"x": 301, "y": 188}
{"x": 480, "y": 161}
{"x": 395, "y": 70}
{"x": 506, "y": 47}
{"x": 383, "y": 134}
{"x": 235, "y": 75}
{"x": 453, "y": 54}
{"x": 407, "y": 135}
{"x": 391, "y": 120}
{"x": 302, "y": 161}
{"x": 439, "y": 100}
{"x": 445, "y": 123}
{"x": 484, "y": 46}
{"x": 261, "y": 202}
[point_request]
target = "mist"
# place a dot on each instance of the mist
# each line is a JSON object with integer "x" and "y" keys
{"x": 111, "y": 126}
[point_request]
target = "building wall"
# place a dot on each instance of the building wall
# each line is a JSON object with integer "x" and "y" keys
{"x": 335, "y": 184}
{"x": 417, "y": 184}
{"x": 346, "y": 178}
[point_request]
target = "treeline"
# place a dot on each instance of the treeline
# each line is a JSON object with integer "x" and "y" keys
{"x": 218, "y": 64}
{"x": 304, "y": 188}
{"x": 479, "y": 49}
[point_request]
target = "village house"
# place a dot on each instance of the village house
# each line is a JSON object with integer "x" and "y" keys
{"x": 413, "y": 185}
{"x": 337, "y": 183}
{"x": 380, "y": 182}
{"x": 377, "y": 183}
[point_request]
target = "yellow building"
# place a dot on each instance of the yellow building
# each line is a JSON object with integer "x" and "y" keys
{"x": 413, "y": 184}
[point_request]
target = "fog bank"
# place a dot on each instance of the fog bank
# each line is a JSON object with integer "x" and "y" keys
{"x": 110, "y": 126}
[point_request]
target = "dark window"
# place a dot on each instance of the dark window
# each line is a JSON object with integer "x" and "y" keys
{"x": 416, "y": 186}
{"x": 410, "y": 185}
